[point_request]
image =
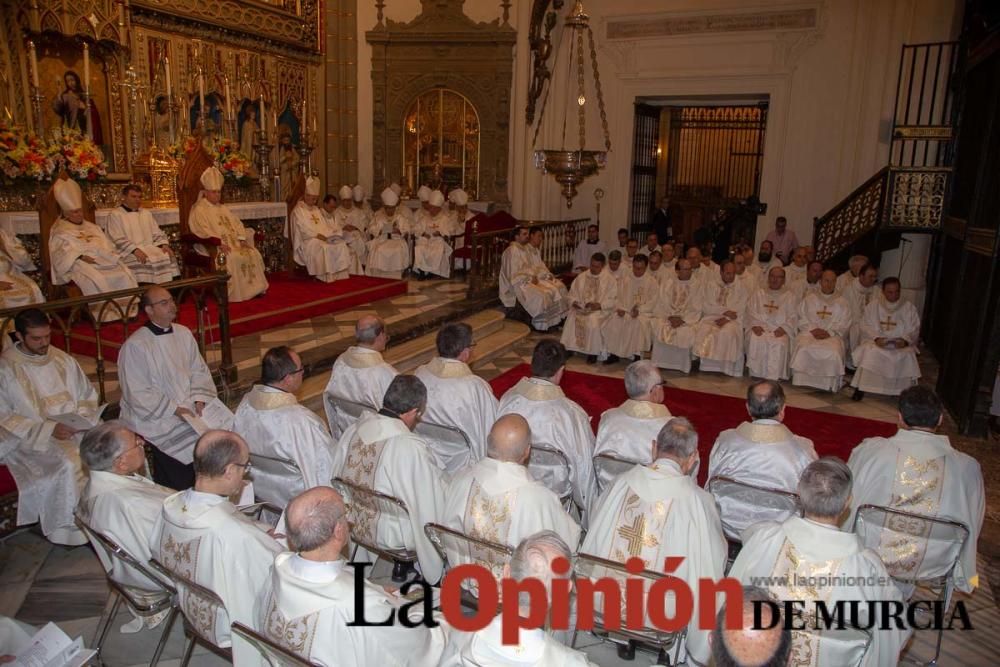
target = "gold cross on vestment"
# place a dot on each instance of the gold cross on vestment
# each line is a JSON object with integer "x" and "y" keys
{"x": 86, "y": 237}
{"x": 771, "y": 307}
{"x": 823, "y": 314}
{"x": 315, "y": 219}
{"x": 887, "y": 324}
{"x": 636, "y": 535}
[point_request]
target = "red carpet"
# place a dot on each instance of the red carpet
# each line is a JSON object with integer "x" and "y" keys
{"x": 289, "y": 299}
{"x": 833, "y": 435}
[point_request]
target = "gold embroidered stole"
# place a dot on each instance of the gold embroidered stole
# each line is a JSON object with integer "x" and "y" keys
{"x": 360, "y": 468}
{"x": 639, "y": 529}
{"x": 182, "y": 557}
{"x": 487, "y": 518}
{"x": 916, "y": 488}
{"x": 294, "y": 634}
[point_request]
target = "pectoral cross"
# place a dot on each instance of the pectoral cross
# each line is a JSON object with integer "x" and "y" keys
{"x": 823, "y": 314}
{"x": 887, "y": 324}
{"x": 771, "y": 307}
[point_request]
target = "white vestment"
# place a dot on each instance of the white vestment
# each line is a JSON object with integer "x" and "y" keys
{"x": 357, "y": 238}
{"x": 456, "y": 397}
{"x": 557, "y": 423}
{"x": 801, "y": 550}
{"x": 137, "y": 230}
{"x": 327, "y": 260}
{"x": 14, "y": 261}
{"x": 159, "y": 372}
{"x": 585, "y": 250}
{"x": 617, "y": 274}
{"x": 647, "y": 251}
{"x": 720, "y": 348}
{"x": 388, "y": 251}
{"x": 485, "y": 648}
{"x": 628, "y": 431}
{"x": 672, "y": 346}
{"x": 627, "y": 335}
{"x": 382, "y": 454}
{"x": 921, "y": 473}
{"x": 69, "y": 243}
{"x": 244, "y": 264}
{"x": 33, "y": 390}
{"x": 885, "y": 370}
{"x": 546, "y": 300}
{"x": 432, "y": 252}
{"x": 759, "y": 270}
{"x": 205, "y": 538}
{"x": 762, "y": 453}
{"x": 360, "y": 375}
{"x": 795, "y": 275}
{"x": 655, "y": 511}
{"x": 582, "y": 330}
{"x": 858, "y": 297}
{"x": 843, "y": 280}
{"x": 767, "y": 354}
{"x": 274, "y": 424}
{"x": 820, "y": 363}
{"x": 307, "y": 607}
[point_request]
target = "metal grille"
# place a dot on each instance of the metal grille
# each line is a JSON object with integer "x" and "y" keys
{"x": 922, "y": 123}
{"x": 644, "y": 158}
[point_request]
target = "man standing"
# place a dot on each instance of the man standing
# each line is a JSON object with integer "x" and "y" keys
{"x": 359, "y": 374}
{"x": 324, "y": 254}
{"x": 886, "y": 356}
{"x": 587, "y": 248}
{"x": 782, "y": 240}
{"x": 771, "y": 320}
{"x": 210, "y": 218}
{"x": 824, "y": 319}
{"x": 141, "y": 243}
{"x": 432, "y": 252}
{"x": 388, "y": 251}
{"x": 719, "y": 334}
{"x": 628, "y": 332}
{"x": 273, "y": 423}
{"x": 39, "y": 385}
{"x": 678, "y": 310}
{"x": 525, "y": 280}
{"x": 661, "y": 222}
{"x": 592, "y": 298}
{"x": 165, "y": 383}
{"x": 762, "y": 452}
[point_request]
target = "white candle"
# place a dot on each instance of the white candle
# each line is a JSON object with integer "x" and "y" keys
{"x": 305, "y": 108}
{"x": 229, "y": 102}
{"x": 34, "y": 64}
{"x": 86, "y": 68}
{"x": 166, "y": 67}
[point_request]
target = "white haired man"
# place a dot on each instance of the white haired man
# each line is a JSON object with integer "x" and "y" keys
{"x": 432, "y": 251}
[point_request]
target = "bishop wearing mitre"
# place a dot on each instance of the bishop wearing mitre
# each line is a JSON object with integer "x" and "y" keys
{"x": 525, "y": 280}
{"x": 16, "y": 289}
{"x": 388, "y": 251}
{"x": 887, "y": 356}
{"x": 628, "y": 331}
{"x": 592, "y": 299}
{"x": 719, "y": 334}
{"x": 679, "y": 311}
{"x": 82, "y": 254}
{"x": 771, "y": 321}
{"x": 210, "y": 218}
{"x": 352, "y": 221}
{"x": 824, "y": 320}
{"x": 140, "y": 241}
{"x": 317, "y": 247}
{"x": 432, "y": 252}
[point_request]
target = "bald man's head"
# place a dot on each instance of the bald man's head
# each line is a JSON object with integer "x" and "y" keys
{"x": 159, "y": 306}
{"x": 312, "y": 518}
{"x": 748, "y": 647}
{"x": 369, "y": 331}
{"x": 509, "y": 439}
{"x": 216, "y": 450}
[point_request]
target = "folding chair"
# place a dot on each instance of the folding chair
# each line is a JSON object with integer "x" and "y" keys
{"x": 550, "y": 467}
{"x": 143, "y": 602}
{"x": 845, "y": 647}
{"x": 733, "y": 497}
{"x": 450, "y": 446}
{"x": 343, "y": 411}
{"x": 916, "y": 550}
{"x": 365, "y": 508}
{"x": 607, "y": 467}
{"x": 262, "y": 512}
{"x": 274, "y": 654}
{"x": 457, "y": 548}
{"x": 591, "y": 567}
{"x": 275, "y": 479}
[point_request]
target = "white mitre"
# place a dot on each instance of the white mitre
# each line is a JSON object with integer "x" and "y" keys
{"x": 436, "y": 199}
{"x": 312, "y": 186}
{"x": 359, "y": 193}
{"x": 68, "y": 194}
{"x": 458, "y": 197}
{"x": 389, "y": 197}
{"x": 395, "y": 188}
{"x": 424, "y": 193}
{"x": 345, "y": 193}
{"x": 212, "y": 179}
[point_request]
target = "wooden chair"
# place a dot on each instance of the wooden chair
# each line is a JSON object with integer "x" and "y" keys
{"x": 294, "y": 195}
{"x": 48, "y": 213}
{"x": 188, "y": 189}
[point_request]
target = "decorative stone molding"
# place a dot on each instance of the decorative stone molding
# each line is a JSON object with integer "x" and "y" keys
{"x": 683, "y": 24}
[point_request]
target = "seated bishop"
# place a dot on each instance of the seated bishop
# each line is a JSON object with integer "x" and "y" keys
{"x": 359, "y": 374}
{"x": 886, "y": 357}
{"x": 458, "y": 200}
{"x": 457, "y": 397}
{"x": 352, "y": 223}
{"x": 657, "y": 511}
{"x": 388, "y": 251}
{"x": 772, "y": 318}
{"x": 557, "y": 422}
{"x": 678, "y": 311}
{"x": 824, "y": 319}
{"x": 628, "y": 331}
{"x": 587, "y": 248}
{"x": 82, "y": 254}
{"x": 497, "y": 500}
{"x": 592, "y": 299}
{"x": 385, "y": 455}
{"x": 626, "y": 432}
{"x": 432, "y": 250}
{"x": 210, "y": 218}
{"x": 141, "y": 243}
{"x": 797, "y": 549}
{"x": 918, "y": 471}
{"x": 526, "y": 282}
{"x": 719, "y": 334}
{"x": 761, "y": 452}
{"x": 274, "y": 423}
{"x": 310, "y": 599}
{"x": 16, "y": 289}
{"x": 316, "y": 245}
{"x": 40, "y": 386}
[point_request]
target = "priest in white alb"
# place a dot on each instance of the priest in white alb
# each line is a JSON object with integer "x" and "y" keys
{"x": 385, "y": 455}
{"x": 762, "y": 452}
{"x": 457, "y": 397}
{"x": 210, "y": 218}
{"x": 886, "y": 357}
{"x": 592, "y": 299}
{"x": 274, "y": 423}
{"x": 795, "y": 272}
{"x": 141, "y": 243}
{"x": 165, "y": 382}
{"x": 309, "y": 600}
{"x": 859, "y": 292}
{"x": 760, "y": 266}
{"x": 918, "y": 471}
{"x": 854, "y": 265}
{"x": 626, "y": 432}
{"x": 615, "y": 266}
{"x": 771, "y": 321}
{"x": 628, "y": 331}
{"x": 39, "y": 384}
{"x": 824, "y": 319}
{"x": 432, "y": 251}
{"x": 587, "y": 248}
{"x": 656, "y": 269}
{"x": 352, "y": 222}
{"x": 359, "y": 374}
{"x": 719, "y": 334}
{"x": 525, "y": 281}
{"x": 82, "y": 254}
{"x": 657, "y": 511}
{"x": 679, "y": 311}
{"x": 16, "y": 289}
{"x": 316, "y": 245}
{"x": 785, "y": 558}
{"x": 388, "y": 251}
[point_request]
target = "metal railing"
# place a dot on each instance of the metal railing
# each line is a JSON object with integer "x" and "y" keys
{"x": 65, "y": 314}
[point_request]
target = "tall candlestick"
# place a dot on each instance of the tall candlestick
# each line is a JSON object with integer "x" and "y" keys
{"x": 263, "y": 124}
{"x": 229, "y": 102}
{"x": 170, "y": 100}
{"x": 34, "y": 64}
{"x": 86, "y": 68}
{"x": 201, "y": 92}
{"x": 305, "y": 109}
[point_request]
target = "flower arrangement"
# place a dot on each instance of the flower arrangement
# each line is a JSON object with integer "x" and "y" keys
{"x": 80, "y": 157}
{"x": 233, "y": 164}
{"x": 24, "y": 157}
{"x": 183, "y": 147}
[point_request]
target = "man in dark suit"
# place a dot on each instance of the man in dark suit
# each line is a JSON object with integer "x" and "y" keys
{"x": 661, "y": 222}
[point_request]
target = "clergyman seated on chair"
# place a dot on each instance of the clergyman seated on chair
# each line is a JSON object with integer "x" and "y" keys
{"x": 626, "y": 431}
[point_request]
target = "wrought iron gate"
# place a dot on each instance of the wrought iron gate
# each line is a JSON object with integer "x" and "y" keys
{"x": 644, "y": 157}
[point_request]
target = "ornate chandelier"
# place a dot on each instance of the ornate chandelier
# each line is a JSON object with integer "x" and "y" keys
{"x": 571, "y": 167}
